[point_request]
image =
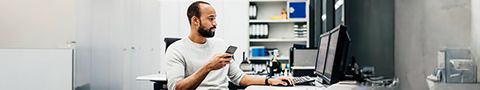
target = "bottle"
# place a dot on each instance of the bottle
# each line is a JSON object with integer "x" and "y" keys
{"x": 284, "y": 13}
{"x": 286, "y": 72}
{"x": 275, "y": 65}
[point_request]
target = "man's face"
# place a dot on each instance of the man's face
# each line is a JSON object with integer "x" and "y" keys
{"x": 207, "y": 21}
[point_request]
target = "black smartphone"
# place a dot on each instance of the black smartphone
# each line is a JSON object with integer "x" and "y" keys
{"x": 231, "y": 50}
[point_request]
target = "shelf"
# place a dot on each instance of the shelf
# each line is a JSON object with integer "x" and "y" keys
{"x": 303, "y": 67}
{"x": 267, "y": 0}
{"x": 281, "y": 32}
{"x": 280, "y": 40}
{"x": 268, "y": 58}
{"x": 278, "y": 21}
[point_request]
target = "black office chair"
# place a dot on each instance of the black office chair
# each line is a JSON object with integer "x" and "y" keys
{"x": 163, "y": 85}
{"x": 169, "y": 41}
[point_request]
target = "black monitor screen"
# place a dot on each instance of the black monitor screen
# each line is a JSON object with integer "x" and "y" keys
{"x": 331, "y": 54}
{"x": 322, "y": 54}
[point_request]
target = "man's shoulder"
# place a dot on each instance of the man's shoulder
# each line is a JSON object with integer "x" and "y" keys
{"x": 175, "y": 51}
{"x": 176, "y": 45}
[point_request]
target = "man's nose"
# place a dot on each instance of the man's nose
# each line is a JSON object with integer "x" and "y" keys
{"x": 214, "y": 23}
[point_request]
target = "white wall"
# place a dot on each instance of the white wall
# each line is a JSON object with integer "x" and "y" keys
{"x": 117, "y": 40}
{"x": 45, "y": 24}
{"x": 37, "y": 23}
{"x": 422, "y": 28}
{"x": 475, "y": 4}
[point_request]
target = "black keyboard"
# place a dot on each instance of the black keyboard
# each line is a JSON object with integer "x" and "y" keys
{"x": 303, "y": 80}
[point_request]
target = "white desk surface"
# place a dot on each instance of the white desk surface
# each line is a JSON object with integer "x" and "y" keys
{"x": 332, "y": 87}
{"x": 152, "y": 77}
{"x": 452, "y": 86}
{"x": 255, "y": 87}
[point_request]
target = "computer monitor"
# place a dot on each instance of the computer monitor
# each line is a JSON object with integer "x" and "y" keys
{"x": 337, "y": 54}
{"x": 331, "y": 55}
{"x": 321, "y": 54}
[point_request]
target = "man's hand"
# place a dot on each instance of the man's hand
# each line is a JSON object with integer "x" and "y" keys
{"x": 281, "y": 81}
{"x": 218, "y": 61}
{"x": 193, "y": 81}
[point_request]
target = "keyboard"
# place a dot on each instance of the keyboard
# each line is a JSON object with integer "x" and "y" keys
{"x": 304, "y": 80}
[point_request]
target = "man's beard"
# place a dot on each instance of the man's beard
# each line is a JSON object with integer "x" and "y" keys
{"x": 207, "y": 33}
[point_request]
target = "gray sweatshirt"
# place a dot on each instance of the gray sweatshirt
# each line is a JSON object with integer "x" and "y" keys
{"x": 184, "y": 57}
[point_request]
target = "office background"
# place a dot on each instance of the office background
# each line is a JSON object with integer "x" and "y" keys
{"x": 117, "y": 40}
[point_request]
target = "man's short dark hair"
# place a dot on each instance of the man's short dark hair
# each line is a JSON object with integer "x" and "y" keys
{"x": 194, "y": 10}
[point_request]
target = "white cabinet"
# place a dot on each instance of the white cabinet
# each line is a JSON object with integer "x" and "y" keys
{"x": 118, "y": 41}
{"x": 37, "y": 69}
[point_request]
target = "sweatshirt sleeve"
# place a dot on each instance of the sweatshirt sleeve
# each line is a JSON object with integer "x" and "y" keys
{"x": 175, "y": 67}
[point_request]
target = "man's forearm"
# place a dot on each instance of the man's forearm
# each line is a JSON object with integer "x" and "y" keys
{"x": 252, "y": 80}
{"x": 192, "y": 81}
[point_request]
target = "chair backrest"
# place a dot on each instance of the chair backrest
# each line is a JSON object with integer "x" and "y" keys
{"x": 169, "y": 41}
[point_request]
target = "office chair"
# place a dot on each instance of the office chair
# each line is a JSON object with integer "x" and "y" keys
{"x": 162, "y": 85}
{"x": 169, "y": 41}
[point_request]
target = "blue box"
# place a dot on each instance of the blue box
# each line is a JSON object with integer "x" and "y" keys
{"x": 258, "y": 52}
{"x": 297, "y": 10}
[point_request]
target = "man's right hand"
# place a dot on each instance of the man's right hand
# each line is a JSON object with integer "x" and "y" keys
{"x": 218, "y": 61}
{"x": 193, "y": 81}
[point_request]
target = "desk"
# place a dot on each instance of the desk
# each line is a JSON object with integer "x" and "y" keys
{"x": 160, "y": 80}
{"x": 332, "y": 87}
{"x": 432, "y": 85}
{"x": 345, "y": 86}
{"x": 255, "y": 87}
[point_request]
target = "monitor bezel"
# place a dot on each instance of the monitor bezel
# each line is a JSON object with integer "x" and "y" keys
{"x": 320, "y": 73}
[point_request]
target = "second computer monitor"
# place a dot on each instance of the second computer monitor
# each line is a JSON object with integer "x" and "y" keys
{"x": 337, "y": 54}
{"x": 331, "y": 54}
{"x": 322, "y": 54}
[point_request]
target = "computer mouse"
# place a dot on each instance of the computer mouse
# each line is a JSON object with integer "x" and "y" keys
{"x": 288, "y": 83}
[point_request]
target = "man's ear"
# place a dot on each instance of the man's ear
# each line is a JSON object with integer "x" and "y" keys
{"x": 195, "y": 20}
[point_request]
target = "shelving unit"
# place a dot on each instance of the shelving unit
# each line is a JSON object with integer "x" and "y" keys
{"x": 279, "y": 40}
{"x": 281, "y": 32}
{"x": 278, "y": 21}
{"x": 268, "y": 58}
{"x": 267, "y": 0}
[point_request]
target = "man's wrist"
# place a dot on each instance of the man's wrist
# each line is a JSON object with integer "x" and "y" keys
{"x": 207, "y": 68}
{"x": 267, "y": 81}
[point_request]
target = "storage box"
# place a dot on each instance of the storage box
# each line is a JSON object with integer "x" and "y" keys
{"x": 460, "y": 67}
{"x": 297, "y": 10}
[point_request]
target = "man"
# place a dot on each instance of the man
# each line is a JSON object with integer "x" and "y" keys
{"x": 200, "y": 62}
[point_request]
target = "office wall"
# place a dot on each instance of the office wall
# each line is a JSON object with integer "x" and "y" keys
{"x": 371, "y": 28}
{"x": 422, "y": 28}
{"x": 116, "y": 40}
{"x": 37, "y": 23}
{"x": 475, "y": 4}
{"x": 47, "y": 24}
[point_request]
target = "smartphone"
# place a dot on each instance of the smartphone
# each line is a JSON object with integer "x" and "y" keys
{"x": 231, "y": 50}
